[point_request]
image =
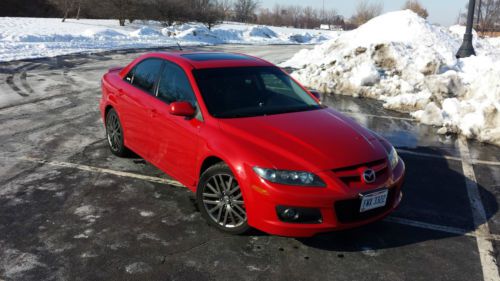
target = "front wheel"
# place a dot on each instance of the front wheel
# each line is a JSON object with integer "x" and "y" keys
{"x": 220, "y": 200}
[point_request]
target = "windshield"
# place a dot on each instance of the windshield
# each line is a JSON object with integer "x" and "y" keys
{"x": 251, "y": 91}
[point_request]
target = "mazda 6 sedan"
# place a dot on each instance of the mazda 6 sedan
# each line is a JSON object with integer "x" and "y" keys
{"x": 257, "y": 148}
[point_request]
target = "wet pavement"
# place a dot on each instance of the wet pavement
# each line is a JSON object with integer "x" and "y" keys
{"x": 62, "y": 217}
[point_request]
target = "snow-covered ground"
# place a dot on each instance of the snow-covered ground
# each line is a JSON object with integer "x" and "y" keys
{"x": 410, "y": 65}
{"x": 22, "y": 38}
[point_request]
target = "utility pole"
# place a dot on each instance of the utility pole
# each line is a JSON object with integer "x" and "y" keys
{"x": 479, "y": 13}
{"x": 467, "y": 49}
{"x": 323, "y": 11}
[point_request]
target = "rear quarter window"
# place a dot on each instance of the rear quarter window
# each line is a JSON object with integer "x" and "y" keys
{"x": 145, "y": 74}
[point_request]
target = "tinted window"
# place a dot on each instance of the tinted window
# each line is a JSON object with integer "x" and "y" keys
{"x": 251, "y": 91}
{"x": 174, "y": 85}
{"x": 145, "y": 74}
{"x": 130, "y": 76}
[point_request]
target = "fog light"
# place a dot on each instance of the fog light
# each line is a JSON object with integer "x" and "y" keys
{"x": 290, "y": 214}
{"x": 298, "y": 215}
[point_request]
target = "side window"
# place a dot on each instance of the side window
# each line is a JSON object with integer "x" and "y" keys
{"x": 174, "y": 85}
{"x": 145, "y": 74}
{"x": 130, "y": 76}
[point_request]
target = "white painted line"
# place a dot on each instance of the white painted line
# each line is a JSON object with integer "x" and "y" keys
{"x": 102, "y": 170}
{"x": 483, "y": 162}
{"x": 424, "y": 225}
{"x": 488, "y": 261}
{"x": 403, "y": 221}
{"x": 430, "y": 155}
{"x": 437, "y": 227}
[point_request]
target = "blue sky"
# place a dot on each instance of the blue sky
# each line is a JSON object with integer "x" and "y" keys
{"x": 440, "y": 11}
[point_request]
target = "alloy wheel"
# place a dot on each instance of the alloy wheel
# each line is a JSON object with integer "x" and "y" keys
{"x": 223, "y": 201}
{"x": 114, "y": 132}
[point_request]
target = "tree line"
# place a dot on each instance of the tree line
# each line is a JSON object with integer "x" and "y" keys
{"x": 208, "y": 12}
{"x": 486, "y": 16}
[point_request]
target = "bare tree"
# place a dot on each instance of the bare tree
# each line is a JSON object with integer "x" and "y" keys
{"x": 168, "y": 11}
{"x": 332, "y": 17}
{"x": 123, "y": 10}
{"x": 65, "y": 6}
{"x": 205, "y": 11}
{"x": 244, "y": 10}
{"x": 29, "y": 8}
{"x": 487, "y": 18}
{"x": 294, "y": 13}
{"x": 310, "y": 17}
{"x": 226, "y": 7}
{"x": 416, "y": 7}
{"x": 78, "y": 9}
{"x": 297, "y": 16}
{"x": 366, "y": 11}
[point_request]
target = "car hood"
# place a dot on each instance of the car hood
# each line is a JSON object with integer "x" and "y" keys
{"x": 315, "y": 140}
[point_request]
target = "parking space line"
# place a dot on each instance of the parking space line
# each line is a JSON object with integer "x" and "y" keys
{"x": 430, "y": 155}
{"x": 424, "y": 225}
{"x": 437, "y": 227}
{"x": 102, "y": 170}
{"x": 482, "y": 230}
{"x": 397, "y": 220}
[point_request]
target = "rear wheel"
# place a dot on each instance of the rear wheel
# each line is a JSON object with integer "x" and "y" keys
{"x": 114, "y": 134}
{"x": 220, "y": 200}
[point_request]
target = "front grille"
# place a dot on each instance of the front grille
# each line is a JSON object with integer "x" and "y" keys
{"x": 347, "y": 211}
{"x": 351, "y": 176}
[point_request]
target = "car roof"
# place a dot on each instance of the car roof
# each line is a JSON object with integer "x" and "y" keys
{"x": 200, "y": 60}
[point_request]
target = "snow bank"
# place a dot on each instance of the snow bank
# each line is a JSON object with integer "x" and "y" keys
{"x": 409, "y": 64}
{"x": 22, "y": 38}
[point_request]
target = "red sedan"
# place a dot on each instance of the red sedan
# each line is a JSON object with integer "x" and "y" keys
{"x": 258, "y": 149}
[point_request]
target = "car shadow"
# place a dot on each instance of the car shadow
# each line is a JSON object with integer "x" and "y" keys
{"x": 434, "y": 193}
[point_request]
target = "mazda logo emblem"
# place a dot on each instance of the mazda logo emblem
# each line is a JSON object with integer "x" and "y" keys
{"x": 369, "y": 176}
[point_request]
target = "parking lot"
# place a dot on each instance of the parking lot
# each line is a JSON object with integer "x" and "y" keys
{"x": 70, "y": 210}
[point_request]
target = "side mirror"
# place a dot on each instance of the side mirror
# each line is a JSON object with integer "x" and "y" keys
{"x": 181, "y": 108}
{"x": 316, "y": 94}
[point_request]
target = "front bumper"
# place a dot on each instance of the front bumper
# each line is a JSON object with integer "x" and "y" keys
{"x": 262, "y": 198}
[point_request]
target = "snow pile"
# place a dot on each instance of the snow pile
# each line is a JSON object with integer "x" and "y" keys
{"x": 22, "y": 38}
{"x": 145, "y": 31}
{"x": 261, "y": 31}
{"x": 409, "y": 64}
{"x": 234, "y": 33}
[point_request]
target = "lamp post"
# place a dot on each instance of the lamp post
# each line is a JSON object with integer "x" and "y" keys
{"x": 467, "y": 50}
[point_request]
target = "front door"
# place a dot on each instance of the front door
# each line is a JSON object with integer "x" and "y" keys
{"x": 175, "y": 138}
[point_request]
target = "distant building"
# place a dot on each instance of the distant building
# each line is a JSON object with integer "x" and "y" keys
{"x": 331, "y": 27}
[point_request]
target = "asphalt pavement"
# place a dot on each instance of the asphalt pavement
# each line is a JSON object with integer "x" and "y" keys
{"x": 70, "y": 210}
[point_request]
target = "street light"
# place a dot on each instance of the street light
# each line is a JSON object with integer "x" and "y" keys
{"x": 467, "y": 50}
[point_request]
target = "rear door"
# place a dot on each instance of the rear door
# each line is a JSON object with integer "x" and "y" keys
{"x": 136, "y": 96}
{"x": 175, "y": 138}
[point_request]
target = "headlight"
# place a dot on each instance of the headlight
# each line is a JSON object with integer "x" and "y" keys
{"x": 393, "y": 158}
{"x": 290, "y": 177}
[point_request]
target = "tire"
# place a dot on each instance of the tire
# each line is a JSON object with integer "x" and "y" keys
{"x": 220, "y": 200}
{"x": 114, "y": 134}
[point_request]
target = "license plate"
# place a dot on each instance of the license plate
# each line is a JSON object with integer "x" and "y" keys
{"x": 373, "y": 200}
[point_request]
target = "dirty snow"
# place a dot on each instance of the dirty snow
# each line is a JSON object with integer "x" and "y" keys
{"x": 22, "y": 38}
{"x": 410, "y": 65}
{"x": 138, "y": 267}
{"x": 146, "y": 213}
{"x": 16, "y": 263}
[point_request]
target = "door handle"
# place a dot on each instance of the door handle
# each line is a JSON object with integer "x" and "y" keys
{"x": 153, "y": 113}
